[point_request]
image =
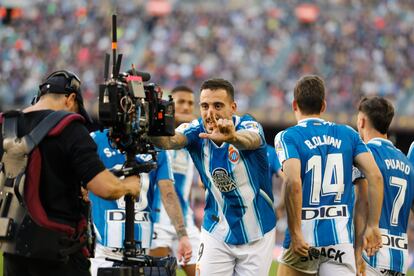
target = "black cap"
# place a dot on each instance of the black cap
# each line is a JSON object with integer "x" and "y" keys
{"x": 65, "y": 82}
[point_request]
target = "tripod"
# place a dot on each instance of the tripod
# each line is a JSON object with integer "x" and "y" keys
{"x": 134, "y": 262}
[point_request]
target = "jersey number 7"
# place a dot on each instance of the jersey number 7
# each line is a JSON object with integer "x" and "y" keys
{"x": 401, "y": 184}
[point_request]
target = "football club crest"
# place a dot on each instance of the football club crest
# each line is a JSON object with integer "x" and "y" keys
{"x": 234, "y": 155}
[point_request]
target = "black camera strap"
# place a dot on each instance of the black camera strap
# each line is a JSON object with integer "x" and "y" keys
{"x": 43, "y": 128}
{"x": 38, "y": 133}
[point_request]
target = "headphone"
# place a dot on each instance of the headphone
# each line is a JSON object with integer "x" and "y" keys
{"x": 72, "y": 85}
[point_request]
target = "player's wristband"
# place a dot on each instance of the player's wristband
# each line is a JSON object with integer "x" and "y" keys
{"x": 181, "y": 232}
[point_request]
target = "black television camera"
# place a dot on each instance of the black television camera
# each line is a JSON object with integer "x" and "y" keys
{"x": 132, "y": 111}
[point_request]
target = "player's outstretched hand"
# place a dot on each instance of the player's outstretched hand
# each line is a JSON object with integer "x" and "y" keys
{"x": 184, "y": 250}
{"x": 224, "y": 131}
{"x": 372, "y": 240}
{"x": 299, "y": 246}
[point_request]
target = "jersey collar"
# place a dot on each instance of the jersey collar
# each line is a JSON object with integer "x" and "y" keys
{"x": 381, "y": 140}
{"x": 310, "y": 119}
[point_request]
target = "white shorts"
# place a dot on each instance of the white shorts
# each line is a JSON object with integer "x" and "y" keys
{"x": 217, "y": 258}
{"x": 371, "y": 271}
{"x": 336, "y": 259}
{"x": 165, "y": 236}
{"x": 103, "y": 252}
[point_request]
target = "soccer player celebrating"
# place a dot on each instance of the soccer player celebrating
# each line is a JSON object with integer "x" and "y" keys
{"x": 230, "y": 154}
{"x": 165, "y": 238}
{"x": 317, "y": 158}
{"x": 109, "y": 215}
{"x": 374, "y": 117}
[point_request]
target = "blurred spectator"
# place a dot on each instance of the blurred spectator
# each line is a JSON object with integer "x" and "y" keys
{"x": 360, "y": 49}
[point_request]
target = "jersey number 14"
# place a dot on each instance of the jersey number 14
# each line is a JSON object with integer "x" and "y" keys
{"x": 334, "y": 169}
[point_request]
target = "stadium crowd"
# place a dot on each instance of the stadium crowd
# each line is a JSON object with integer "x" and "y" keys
{"x": 45, "y": 38}
{"x": 261, "y": 48}
{"x": 366, "y": 50}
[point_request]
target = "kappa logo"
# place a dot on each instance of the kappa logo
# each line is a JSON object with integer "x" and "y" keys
{"x": 223, "y": 181}
{"x": 234, "y": 155}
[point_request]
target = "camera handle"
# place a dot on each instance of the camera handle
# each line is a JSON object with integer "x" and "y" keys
{"x": 131, "y": 167}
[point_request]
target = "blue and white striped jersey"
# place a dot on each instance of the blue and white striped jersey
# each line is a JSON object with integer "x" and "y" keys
{"x": 274, "y": 164}
{"x": 183, "y": 170}
{"x": 398, "y": 175}
{"x": 326, "y": 152}
{"x": 109, "y": 215}
{"x": 239, "y": 205}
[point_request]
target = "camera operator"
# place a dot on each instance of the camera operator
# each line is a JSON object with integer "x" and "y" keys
{"x": 69, "y": 163}
{"x": 109, "y": 216}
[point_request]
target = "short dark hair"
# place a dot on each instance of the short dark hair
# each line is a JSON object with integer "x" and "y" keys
{"x": 379, "y": 112}
{"x": 309, "y": 94}
{"x": 215, "y": 84}
{"x": 181, "y": 88}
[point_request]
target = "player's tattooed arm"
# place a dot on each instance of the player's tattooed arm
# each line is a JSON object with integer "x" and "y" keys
{"x": 225, "y": 131}
{"x": 172, "y": 206}
{"x": 246, "y": 140}
{"x": 177, "y": 141}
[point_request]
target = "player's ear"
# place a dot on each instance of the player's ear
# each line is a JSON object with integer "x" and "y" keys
{"x": 234, "y": 107}
{"x": 323, "y": 108}
{"x": 363, "y": 122}
{"x": 295, "y": 105}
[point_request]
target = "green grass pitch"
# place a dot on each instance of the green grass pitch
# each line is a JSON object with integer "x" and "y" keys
{"x": 272, "y": 272}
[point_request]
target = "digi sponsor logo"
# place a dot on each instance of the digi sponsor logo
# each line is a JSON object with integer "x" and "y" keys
{"x": 234, "y": 155}
{"x": 325, "y": 212}
{"x": 223, "y": 181}
{"x": 395, "y": 242}
{"x": 119, "y": 215}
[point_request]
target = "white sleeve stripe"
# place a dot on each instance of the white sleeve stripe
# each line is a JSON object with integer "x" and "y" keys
{"x": 282, "y": 142}
{"x": 224, "y": 229}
